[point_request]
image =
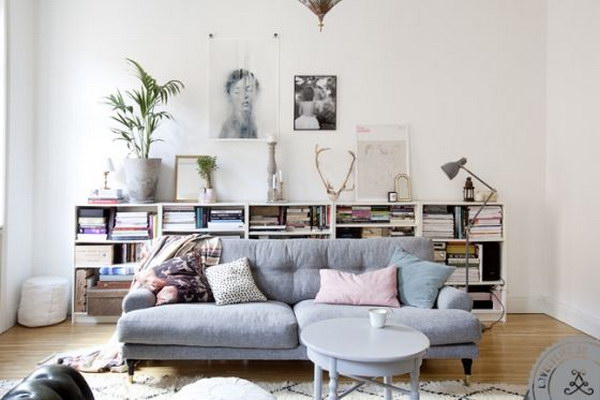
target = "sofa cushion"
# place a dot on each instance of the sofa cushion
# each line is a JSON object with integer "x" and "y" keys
{"x": 267, "y": 325}
{"x": 419, "y": 281}
{"x": 375, "y": 288}
{"x": 232, "y": 283}
{"x": 442, "y": 327}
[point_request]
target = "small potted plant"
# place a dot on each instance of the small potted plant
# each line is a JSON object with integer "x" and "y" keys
{"x": 206, "y": 166}
{"x": 138, "y": 113}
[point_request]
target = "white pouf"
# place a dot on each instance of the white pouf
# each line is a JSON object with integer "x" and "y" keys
{"x": 44, "y": 301}
{"x": 222, "y": 389}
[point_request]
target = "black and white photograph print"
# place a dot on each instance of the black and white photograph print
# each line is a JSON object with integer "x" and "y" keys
{"x": 315, "y": 107}
{"x": 244, "y": 88}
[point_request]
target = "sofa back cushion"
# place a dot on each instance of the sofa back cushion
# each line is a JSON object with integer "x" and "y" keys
{"x": 288, "y": 270}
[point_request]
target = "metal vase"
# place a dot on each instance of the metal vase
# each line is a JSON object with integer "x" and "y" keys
{"x": 141, "y": 175}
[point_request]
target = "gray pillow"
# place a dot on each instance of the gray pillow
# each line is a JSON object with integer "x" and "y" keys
{"x": 419, "y": 281}
{"x": 233, "y": 283}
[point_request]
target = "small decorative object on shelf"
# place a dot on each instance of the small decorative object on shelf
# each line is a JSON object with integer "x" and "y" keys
{"x": 403, "y": 187}
{"x": 108, "y": 168}
{"x": 206, "y": 166}
{"x": 137, "y": 122}
{"x": 274, "y": 178}
{"x": 333, "y": 194}
{"x": 392, "y": 197}
{"x": 469, "y": 190}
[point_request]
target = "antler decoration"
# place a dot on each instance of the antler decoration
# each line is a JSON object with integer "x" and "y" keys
{"x": 320, "y": 8}
{"x": 331, "y": 192}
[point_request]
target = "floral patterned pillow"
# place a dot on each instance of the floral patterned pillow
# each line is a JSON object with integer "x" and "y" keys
{"x": 178, "y": 280}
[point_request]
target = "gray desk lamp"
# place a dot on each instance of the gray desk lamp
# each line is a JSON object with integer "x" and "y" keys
{"x": 452, "y": 169}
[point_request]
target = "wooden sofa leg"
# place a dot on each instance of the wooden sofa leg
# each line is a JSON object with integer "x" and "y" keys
{"x": 467, "y": 366}
{"x": 130, "y": 369}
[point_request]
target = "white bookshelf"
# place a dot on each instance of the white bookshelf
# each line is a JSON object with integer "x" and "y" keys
{"x": 329, "y": 231}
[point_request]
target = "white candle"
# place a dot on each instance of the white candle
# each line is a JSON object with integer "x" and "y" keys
{"x": 271, "y": 139}
{"x": 280, "y": 176}
{"x": 274, "y": 181}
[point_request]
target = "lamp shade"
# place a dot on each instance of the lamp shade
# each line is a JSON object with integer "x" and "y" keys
{"x": 451, "y": 169}
{"x": 108, "y": 165}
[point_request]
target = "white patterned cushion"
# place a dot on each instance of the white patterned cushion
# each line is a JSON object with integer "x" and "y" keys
{"x": 232, "y": 283}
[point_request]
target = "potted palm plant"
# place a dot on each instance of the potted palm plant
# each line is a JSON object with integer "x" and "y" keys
{"x": 138, "y": 114}
{"x": 206, "y": 166}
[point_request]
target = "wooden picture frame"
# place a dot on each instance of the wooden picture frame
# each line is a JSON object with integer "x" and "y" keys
{"x": 187, "y": 180}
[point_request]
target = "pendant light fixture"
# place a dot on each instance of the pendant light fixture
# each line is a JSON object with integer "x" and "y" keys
{"x": 320, "y": 8}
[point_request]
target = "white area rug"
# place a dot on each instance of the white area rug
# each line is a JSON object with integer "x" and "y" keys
{"x": 114, "y": 387}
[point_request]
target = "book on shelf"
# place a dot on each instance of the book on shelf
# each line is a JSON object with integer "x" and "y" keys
{"x": 438, "y": 222}
{"x": 402, "y": 214}
{"x": 179, "y": 218}
{"x": 116, "y": 278}
{"x": 487, "y": 225}
{"x": 92, "y": 224}
{"x": 132, "y": 225}
{"x": 106, "y": 196}
{"x": 120, "y": 269}
{"x": 375, "y": 214}
{"x": 125, "y": 284}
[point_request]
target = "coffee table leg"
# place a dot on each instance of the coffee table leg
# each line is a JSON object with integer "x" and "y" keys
{"x": 387, "y": 393}
{"x": 318, "y": 395}
{"x": 414, "y": 381}
{"x": 333, "y": 380}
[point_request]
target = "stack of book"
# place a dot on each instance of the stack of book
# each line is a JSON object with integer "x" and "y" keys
{"x": 374, "y": 232}
{"x": 298, "y": 218}
{"x": 131, "y": 225}
{"x": 319, "y": 217}
{"x": 438, "y": 222}
{"x": 226, "y": 219}
{"x": 92, "y": 224}
{"x": 116, "y": 277}
{"x": 106, "y": 196}
{"x": 361, "y": 214}
{"x": 456, "y": 257}
{"x": 487, "y": 225}
{"x": 402, "y": 214}
{"x": 267, "y": 218}
{"x": 402, "y": 231}
{"x": 179, "y": 218}
{"x": 344, "y": 215}
{"x": 380, "y": 214}
{"x": 439, "y": 252}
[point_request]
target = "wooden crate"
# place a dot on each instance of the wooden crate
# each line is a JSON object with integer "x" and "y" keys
{"x": 105, "y": 302}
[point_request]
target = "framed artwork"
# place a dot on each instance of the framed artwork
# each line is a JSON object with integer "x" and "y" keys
{"x": 315, "y": 103}
{"x": 187, "y": 180}
{"x": 382, "y": 153}
{"x": 243, "y": 88}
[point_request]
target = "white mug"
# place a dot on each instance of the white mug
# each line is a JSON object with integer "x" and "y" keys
{"x": 378, "y": 316}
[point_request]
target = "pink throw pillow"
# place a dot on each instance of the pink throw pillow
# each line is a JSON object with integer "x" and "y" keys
{"x": 375, "y": 288}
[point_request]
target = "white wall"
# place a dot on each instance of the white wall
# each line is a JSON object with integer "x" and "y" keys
{"x": 573, "y": 162}
{"x": 18, "y": 231}
{"x": 468, "y": 75}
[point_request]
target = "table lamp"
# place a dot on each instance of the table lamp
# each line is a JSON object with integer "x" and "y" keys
{"x": 452, "y": 169}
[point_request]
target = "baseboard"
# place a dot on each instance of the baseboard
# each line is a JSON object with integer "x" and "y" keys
{"x": 585, "y": 322}
{"x": 526, "y": 305}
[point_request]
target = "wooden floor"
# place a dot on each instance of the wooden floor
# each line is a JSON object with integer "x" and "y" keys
{"x": 508, "y": 352}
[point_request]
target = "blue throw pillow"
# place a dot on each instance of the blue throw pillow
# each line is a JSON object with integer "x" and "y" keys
{"x": 419, "y": 281}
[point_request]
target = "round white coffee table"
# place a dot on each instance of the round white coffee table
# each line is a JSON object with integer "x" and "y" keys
{"x": 351, "y": 347}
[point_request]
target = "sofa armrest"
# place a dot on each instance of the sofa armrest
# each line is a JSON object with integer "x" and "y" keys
{"x": 137, "y": 299}
{"x": 452, "y": 298}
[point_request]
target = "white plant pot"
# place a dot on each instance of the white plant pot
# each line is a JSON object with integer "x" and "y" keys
{"x": 207, "y": 196}
{"x": 142, "y": 175}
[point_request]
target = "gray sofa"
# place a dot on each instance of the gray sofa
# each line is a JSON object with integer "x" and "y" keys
{"x": 287, "y": 271}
